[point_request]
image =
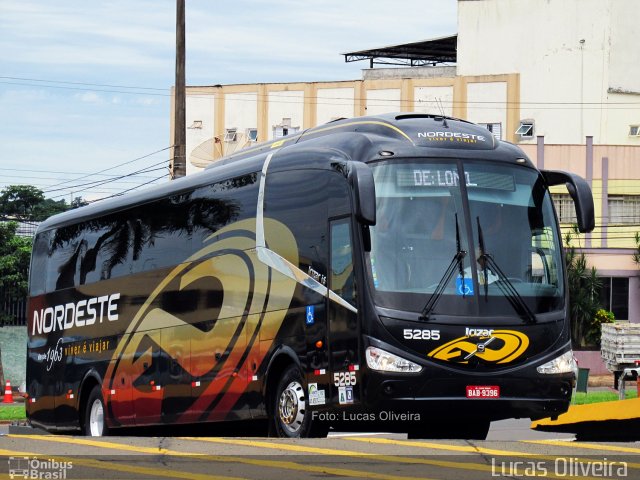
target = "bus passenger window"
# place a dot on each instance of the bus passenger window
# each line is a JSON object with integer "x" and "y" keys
{"x": 342, "y": 278}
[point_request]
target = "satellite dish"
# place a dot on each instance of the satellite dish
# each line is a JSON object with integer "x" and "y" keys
{"x": 215, "y": 147}
{"x": 202, "y": 155}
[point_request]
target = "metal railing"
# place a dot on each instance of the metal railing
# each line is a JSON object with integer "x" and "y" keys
{"x": 13, "y": 311}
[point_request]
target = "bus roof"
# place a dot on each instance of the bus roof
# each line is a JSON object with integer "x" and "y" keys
{"x": 405, "y": 133}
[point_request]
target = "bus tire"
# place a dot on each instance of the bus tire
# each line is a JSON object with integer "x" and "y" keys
{"x": 94, "y": 418}
{"x": 291, "y": 416}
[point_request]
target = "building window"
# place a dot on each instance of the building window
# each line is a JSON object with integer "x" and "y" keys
{"x": 614, "y": 296}
{"x": 494, "y": 128}
{"x": 197, "y": 124}
{"x": 565, "y": 208}
{"x": 634, "y": 130}
{"x": 231, "y": 135}
{"x": 525, "y": 130}
{"x": 252, "y": 134}
{"x": 624, "y": 209}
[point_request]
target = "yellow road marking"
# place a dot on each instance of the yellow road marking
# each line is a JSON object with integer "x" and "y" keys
{"x": 386, "y": 458}
{"x": 441, "y": 446}
{"x": 119, "y": 467}
{"x": 488, "y": 451}
{"x": 218, "y": 458}
{"x": 587, "y": 446}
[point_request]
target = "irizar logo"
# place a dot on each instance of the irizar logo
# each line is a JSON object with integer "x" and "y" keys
{"x": 478, "y": 332}
{"x": 497, "y": 347}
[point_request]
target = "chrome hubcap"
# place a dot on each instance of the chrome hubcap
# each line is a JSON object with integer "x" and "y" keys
{"x": 96, "y": 419}
{"x": 291, "y": 408}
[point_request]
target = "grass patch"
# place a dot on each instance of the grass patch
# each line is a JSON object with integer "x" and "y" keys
{"x": 581, "y": 398}
{"x": 12, "y": 412}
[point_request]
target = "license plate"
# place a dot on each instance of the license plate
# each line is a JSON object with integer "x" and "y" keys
{"x": 483, "y": 391}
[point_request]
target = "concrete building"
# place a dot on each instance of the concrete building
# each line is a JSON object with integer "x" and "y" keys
{"x": 557, "y": 77}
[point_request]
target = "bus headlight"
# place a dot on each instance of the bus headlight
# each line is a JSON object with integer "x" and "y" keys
{"x": 383, "y": 361}
{"x": 565, "y": 363}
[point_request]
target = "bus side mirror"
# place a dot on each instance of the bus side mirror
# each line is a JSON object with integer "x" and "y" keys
{"x": 364, "y": 191}
{"x": 580, "y": 193}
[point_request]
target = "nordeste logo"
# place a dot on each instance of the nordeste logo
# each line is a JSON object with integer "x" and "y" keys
{"x": 79, "y": 314}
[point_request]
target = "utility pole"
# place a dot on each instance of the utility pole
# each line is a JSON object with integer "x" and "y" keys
{"x": 179, "y": 123}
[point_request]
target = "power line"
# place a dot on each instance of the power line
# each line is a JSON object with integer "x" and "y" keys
{"x": 116, "y": 166}
{"x": 88, "y": 89}
{"x": 545, "y": 105}
{"x": 53, "y": 171}
{"x": 83, "y": 83}
{"x": 53, "y": 178}
{"x": 98, "y": 183}
{"x": 129, "y": 189}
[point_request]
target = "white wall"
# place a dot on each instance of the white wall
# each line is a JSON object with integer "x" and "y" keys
{"x": 486, "y": 103}
{"x": 240, "y": 112}
{"x": 334, "y": 103}
{"x": 562, "y": 82}
{"x": 199, "y": 108}
{"x": 383, "y": 100}
{"x": 285, "y": 104}
{"x": 433, "y": 100}
{"x": 624, "y": 67}
{"x": 624, "y": 73}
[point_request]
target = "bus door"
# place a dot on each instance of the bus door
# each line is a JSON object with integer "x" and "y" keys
{"x": 343, "y": 325}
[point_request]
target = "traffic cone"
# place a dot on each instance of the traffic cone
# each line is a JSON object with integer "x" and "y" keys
{"x": 8, "y": 394}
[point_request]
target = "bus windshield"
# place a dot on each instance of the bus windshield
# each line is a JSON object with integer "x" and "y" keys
{"x": 464, "y": 238}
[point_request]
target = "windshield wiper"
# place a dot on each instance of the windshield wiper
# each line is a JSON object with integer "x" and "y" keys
{"x": 504, "y": 284}
{"x": 455, "y": 261}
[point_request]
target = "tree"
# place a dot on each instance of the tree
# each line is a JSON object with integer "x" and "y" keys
{"x": 18, "y": 201}
{"x": 27, "y": 203}
{"x": 78, "y": 202}
{"x": 15, "y": 253}
{"x": 636, "y": 253}
{"x": 584, "y": 293}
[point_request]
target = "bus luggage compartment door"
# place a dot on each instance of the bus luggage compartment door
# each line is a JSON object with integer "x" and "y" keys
{"x": 147, "y": 386}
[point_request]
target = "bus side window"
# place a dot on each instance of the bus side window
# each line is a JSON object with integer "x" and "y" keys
{"x": 38, "y": 275}
{"x": 342, "y": 277}
{"x": 298, "y": 199}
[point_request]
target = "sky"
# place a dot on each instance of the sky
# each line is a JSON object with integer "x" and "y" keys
{"x": 85, "y": 86}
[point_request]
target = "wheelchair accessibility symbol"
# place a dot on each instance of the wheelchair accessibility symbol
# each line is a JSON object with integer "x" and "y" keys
{"x": 464, "y": 286}
{"x": 310, "y": 315}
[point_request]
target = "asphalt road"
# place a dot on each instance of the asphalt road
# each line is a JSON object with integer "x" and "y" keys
{"x": 511, "y": 450}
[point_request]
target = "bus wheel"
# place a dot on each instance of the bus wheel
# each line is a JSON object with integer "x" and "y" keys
{"x": 94, "y": 423}
{"x": 292, "y": 419}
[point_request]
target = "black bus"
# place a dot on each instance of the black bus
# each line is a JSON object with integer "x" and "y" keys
{"x": 402, "y": 272}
